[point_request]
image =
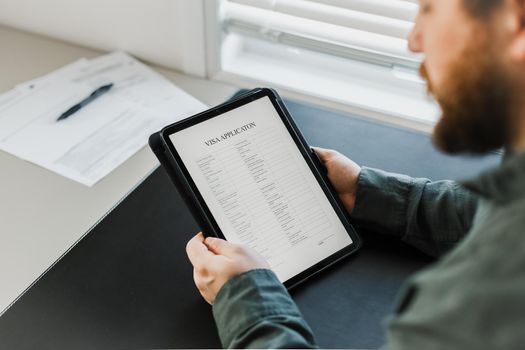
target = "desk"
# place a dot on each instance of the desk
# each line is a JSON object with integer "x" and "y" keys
{"x": 128, "y": 283}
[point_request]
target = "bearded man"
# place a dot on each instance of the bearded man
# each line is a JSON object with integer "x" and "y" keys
{"x": 474, "y": 296}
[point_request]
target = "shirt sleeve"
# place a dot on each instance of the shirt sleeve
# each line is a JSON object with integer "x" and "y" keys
{"x": 432, "y": 216}
{"x": 254, "y": 310}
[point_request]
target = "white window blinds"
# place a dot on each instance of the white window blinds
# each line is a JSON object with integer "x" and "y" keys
{"x": 369, "y": 30}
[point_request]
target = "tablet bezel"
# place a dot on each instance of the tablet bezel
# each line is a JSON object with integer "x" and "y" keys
{"x": 309, "y": 157}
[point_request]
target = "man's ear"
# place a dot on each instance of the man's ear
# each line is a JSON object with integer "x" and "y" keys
{"x": 515, "y": 20}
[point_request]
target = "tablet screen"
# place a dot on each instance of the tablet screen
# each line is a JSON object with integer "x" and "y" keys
{"x": 260, "y": 189}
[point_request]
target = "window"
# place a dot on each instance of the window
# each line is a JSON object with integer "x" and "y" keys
{"x": 374, "y": 31}
{"x": 351, "y": 54}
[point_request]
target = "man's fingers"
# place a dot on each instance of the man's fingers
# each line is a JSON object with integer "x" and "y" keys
{"x": 197, "y": 250}
{"x": 220, "y": 246}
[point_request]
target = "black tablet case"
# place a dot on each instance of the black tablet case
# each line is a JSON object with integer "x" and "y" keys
{"x": 159, "y": 146}
{"x": 128, "y": 283}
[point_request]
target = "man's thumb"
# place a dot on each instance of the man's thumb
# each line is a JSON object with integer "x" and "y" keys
{"x": 219, "y": 246}
{"x": 322, "y": 153}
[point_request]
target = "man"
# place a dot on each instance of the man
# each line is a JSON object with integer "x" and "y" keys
{"x": 474, "y": 296}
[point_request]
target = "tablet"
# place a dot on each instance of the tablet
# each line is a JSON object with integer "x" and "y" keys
{"x": 248, "y": 176}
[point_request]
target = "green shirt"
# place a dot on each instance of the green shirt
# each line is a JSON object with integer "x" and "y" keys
{"x": 473, "y": 297}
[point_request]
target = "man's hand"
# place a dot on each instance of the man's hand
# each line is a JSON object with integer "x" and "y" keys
{"x": 215, "y": 261}
{"x": 343, "y": 174}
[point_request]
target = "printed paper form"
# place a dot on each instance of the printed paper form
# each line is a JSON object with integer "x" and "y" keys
{"x": 102, "y": 135}
{"x": 260, "y": 190}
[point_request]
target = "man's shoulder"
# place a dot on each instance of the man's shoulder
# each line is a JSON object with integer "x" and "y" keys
{"x": 504, "y": 222}
{"x": 497, "y": 242}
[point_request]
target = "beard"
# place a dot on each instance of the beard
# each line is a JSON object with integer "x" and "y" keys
{"x": 475, "y": 100}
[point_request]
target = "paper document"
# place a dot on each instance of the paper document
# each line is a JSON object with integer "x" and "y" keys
{"x": 99, "y": 137}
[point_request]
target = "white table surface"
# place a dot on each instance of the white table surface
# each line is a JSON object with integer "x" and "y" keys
{"x": 43, "y": 214}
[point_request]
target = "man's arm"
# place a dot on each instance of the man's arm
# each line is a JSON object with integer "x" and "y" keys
{"x": 252, "y": 309}
{"x": 432, "y": 216}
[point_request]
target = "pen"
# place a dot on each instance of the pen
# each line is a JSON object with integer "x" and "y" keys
{"x": 98, "y": 92}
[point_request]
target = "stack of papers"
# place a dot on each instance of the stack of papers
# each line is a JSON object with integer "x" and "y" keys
{"x": 98, "y": 138}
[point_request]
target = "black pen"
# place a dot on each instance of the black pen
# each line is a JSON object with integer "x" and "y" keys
{"x": 98, "y": 92}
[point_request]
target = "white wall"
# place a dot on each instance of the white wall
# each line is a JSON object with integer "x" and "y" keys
{"x": 165, "y": 32}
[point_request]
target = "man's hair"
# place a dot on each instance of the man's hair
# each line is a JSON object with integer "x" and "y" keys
{"x": 481, "y": 8}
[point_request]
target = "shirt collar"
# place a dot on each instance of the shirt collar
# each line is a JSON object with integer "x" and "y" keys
{"x": 503, "y": 184}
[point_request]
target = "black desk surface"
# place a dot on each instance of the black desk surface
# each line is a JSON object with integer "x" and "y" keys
{"x": 128, "y": 283}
